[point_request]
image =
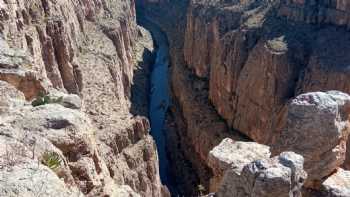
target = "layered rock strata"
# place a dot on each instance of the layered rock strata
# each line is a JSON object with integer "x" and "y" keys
{"x": 256, "y": 60}
{"x": 86, "y": 48}
{"x": 246, "y": 60}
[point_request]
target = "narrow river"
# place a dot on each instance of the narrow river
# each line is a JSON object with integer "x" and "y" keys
{"x": 159, "y": 96}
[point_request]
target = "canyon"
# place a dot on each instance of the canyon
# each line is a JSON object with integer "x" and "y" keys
{"x": 175, "y": 98}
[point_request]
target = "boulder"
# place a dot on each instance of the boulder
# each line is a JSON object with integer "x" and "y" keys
{"x": 31, "y": 179}
{"x": 234, "y": 156}
{"x": 280, "y": 176}
{"x": 338, "y": 184}
{"x": 317, "y": 128}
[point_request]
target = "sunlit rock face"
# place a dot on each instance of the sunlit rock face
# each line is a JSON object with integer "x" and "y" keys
{"x": 255, "y": 58}
{"x": 318, "y": 129}
{"x": 338, "y": 184}
{"x": 83, "y": 53}
{"x": 236, "y": 66}
{"x": 282, "y": 175}
{"x": 234, "y": 156}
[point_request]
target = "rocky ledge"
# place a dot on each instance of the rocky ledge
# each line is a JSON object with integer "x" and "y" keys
{"x": 317, "y": 130}
{"x": 79, "y": 62}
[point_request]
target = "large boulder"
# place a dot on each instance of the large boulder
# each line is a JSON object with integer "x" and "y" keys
{"x": 317, "y": 128}
{"x": 338, "y": 184}
{"x": 30, "y": 179}
{"x": 234, "y": 156}
{"x": 280, "y": 176}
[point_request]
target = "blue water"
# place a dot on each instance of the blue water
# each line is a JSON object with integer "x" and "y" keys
{"x": 159, "y": 97}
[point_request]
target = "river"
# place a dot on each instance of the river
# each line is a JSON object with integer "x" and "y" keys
{"x": 159, "y": 96}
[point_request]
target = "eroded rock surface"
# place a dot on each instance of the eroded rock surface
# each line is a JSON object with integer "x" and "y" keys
{"x": 255, "y": 58}
{"x": 86, "y": 53}
{"x": 234, "y": 156}
{"x": 317, "y": 128}
{"x": 338, "y": 184}
{"x": 282, "y": 175}
{"x": 243, "y": 62}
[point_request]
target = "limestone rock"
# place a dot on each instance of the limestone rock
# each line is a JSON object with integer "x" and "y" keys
{"x": 10, "y": 97}
{"x": 72, "y": 101}
{"x": 234, "y": 156}
{"x": 317, "y": 128}
{"x": 338, "y": 184}
{"x": 255, "y": 61}
{"x": 15, "y": 69}
{"x": 280, "y": 176}
{"x": 31, "y": 179}
{"x": 246, "y": 60}
{"x": 83, "y": 48}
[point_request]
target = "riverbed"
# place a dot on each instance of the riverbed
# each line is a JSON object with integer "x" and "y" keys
{"x": 159, "y": 96}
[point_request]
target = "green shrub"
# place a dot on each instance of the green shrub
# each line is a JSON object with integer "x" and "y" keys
{"x": 43, "y": 99}
{"x": 51, "y": 160}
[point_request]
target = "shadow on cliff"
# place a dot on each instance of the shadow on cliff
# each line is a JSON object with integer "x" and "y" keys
{"x": 141, "y": 85}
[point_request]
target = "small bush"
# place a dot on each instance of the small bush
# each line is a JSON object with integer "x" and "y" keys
{"x": 201, "y": 190}
{"x": 43, "y": 99}
{"x": 51, "y": 160}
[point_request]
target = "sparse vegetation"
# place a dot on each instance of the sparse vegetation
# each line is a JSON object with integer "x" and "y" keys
{"x": 43, "y": 99}
{"x": 201, "y": 190}
{"x": 13, "y": 156}
{"x": 51, "y": 160}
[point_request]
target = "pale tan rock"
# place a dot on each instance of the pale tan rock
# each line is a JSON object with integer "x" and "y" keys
{"x": 234, "y": 156}
{"x": 86, "y": 49}
{"x": 30, "y": 179}
{"x": 10, "y": 97}
{"x": 280, "y": 176}
{"x": 338, "y": 184}
{"x": 317, "y": 128}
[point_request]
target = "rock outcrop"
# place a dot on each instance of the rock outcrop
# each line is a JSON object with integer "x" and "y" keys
{"x": 255, "y": 59}
{"x": 234, "y": 156}
{"x": 337, "y": 185}
{"x": 282, "y": 175}
{"x": 318, "y": 129}
{"x": 85, "y": 168}
{"x": 84, "y": 54}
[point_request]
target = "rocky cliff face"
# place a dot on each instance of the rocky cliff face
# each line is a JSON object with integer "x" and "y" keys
{"x": 236, "y": 65}
{"x": 83, "y": 47}
{"x": 258, "y": 57}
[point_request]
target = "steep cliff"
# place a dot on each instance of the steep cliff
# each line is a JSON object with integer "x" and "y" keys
{"x": 259, "y": 56}
{"x": 236, "y": 65}
{"x": 93, "y": 49}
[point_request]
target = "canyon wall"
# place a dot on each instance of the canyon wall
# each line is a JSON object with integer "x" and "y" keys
{"x": 259, "y": 56}
{"x": 236, "y": 65}
{"x": 93, "y": 49}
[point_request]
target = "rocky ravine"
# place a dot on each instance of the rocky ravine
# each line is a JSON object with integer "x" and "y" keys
{"x": 237, "y": 65}
{"x": 93, "y": 49}
{"x": 246, "y": 80}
